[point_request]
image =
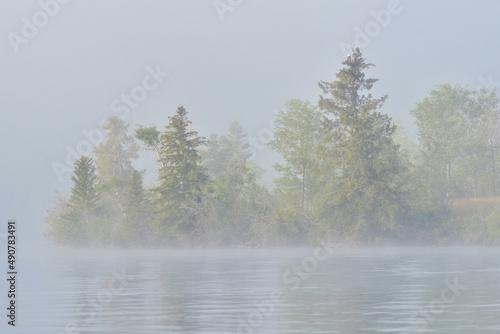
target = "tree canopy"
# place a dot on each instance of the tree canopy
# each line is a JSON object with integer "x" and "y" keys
{"x": 345, "y": 172}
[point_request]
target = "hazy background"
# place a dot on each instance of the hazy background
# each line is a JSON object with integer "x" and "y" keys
{"x": 64, "y": 79}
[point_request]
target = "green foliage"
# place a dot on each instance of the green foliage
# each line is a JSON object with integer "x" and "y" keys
{"x": 361, "y": 162}
{"x": 215, "y": 156}
{"x": 442, "y": 121}
{"x": 114, "y": 169}
{"x": 65, "y": 228}
{"x": 151, "y": 139}
{"x": 347, "y": 173}
{"x": 72, "y": 218}
{"x": 460, "y": 140}
{"x": 227, "y": 152}
{"x": 481, "y": 171}
{"x": 297, "y": 134}
{"x": 149, "y": 136}
{"x": 182, "y": 178}
{"x": 83, "y": 194}
{"x": 232, "y": 214}
{"x": 480, "y": 225}
{"x": 114, "y": 156}
{"x": 137, "y": 208}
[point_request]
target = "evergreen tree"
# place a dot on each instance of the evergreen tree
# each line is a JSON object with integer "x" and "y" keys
{"x": 226, "y": 152}
{"x": 83, "y": 194}
{"x": 230, "y": 208}
{"x": 361, "y": 163}
{"x": 236, "y": 144}
{"x": 182, "y": 177}
{"x": 80, "y": 218}
{"x": 137, "y": 214}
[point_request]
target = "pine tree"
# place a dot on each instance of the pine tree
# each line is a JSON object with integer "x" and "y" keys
{"x": 182, "y": 177}
{"x": 81, "y": 215}
{"x": 237, "y": 144}
{"x": 83, "y": 194}
{"x": 231, "y": 208}
{"x": 228, "y": 152}
{"x": 361, "y": 163}
{"x": 137, "y": 215}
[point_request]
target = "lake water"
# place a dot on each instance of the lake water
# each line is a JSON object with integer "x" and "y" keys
{"x": 388, "y": 290}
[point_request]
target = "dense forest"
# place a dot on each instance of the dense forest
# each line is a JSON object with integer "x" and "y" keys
{"x": 349, "y": 174}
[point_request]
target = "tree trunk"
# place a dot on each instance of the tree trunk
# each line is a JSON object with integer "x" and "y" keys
{"x": 159, "y": 157}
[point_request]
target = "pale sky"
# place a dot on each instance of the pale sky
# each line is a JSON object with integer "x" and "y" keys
{"x": 67, "y": 66}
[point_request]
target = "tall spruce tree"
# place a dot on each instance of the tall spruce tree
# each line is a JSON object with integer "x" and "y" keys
{"x": 182, "y": 177}
{"x": 83, "y": 194}
{"x": 82, "y": 203}
{"x": 361, "y": 162}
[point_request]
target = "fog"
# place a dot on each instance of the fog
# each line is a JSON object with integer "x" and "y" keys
{"x": 63, "y": 80}
{"x": 222, "y": 60}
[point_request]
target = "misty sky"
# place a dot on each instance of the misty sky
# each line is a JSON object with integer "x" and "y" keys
{"x": 72, "y": 73}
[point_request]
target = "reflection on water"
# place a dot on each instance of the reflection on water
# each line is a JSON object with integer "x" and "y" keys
{"x": 263, "y": 291}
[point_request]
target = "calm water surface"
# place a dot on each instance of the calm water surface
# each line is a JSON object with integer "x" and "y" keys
{"x": 396, "y": 290}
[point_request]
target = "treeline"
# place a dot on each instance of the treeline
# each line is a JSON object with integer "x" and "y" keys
{"x": 349, "y": 174}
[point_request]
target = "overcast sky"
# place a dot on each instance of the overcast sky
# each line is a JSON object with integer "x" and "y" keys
{"x": 66, "y": 66}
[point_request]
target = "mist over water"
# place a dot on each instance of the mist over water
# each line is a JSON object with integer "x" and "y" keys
{"x": 370, "y": 290}
{"x": 175, "y": 166}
